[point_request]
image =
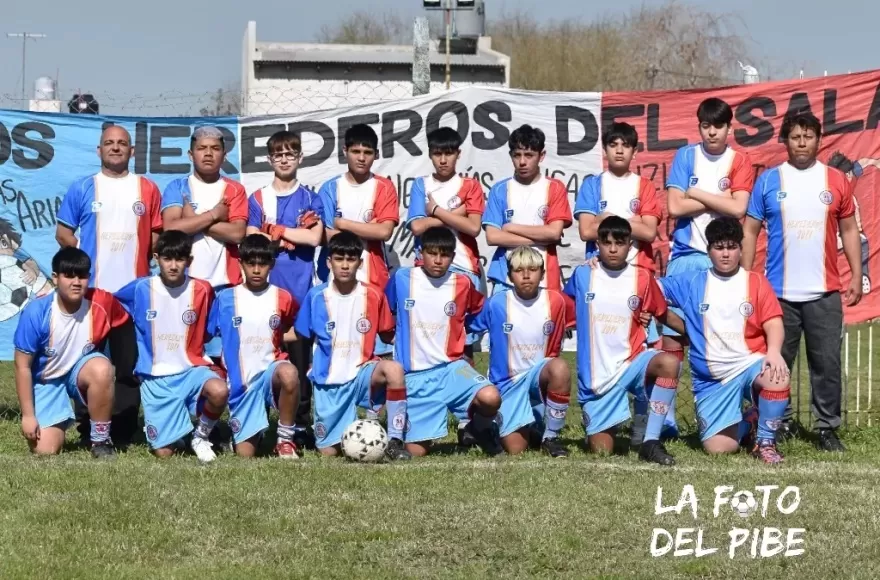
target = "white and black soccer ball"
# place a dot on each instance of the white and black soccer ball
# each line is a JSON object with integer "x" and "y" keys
{"x": 743, "y": 504}
{"x": 364, "y": 441}
{"x": 14, "y": 293}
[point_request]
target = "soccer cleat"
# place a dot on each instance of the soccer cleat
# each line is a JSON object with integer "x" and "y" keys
{"x": 203, "y": 449}
{"x": 787, "y": 430}
{"x": 466, "y": 439}
{"x": 103, "y": 450}
{"x": 828, "y": 441}
{"x": 751, "y": 438}
{"x": 396, "y": 451}
{"x": 554, "y": 448}
{"x": 286, "y": 450}
{"x": 304, "y": 438}
{"x": 488, "y": 439}
{"x": 655, "y": 452}
{"x": 766, "y": 452}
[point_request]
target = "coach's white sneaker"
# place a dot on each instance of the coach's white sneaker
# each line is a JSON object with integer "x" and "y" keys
{"x": 203, "y": 449}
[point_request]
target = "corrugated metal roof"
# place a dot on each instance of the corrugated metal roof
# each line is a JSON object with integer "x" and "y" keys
{"x": 377, "y": 55}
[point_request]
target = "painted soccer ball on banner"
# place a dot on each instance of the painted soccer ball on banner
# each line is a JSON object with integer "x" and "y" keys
{"x": 364, "y": 441}
{"x": 743, "y": 504}
{"x": 14, "y": 293}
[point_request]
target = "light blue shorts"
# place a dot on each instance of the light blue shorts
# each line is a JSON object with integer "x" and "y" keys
{"x": 432, "y": 392}
{"x": 521, "y": 400}
{"x": 602, "y": 412}
{"x": 170, "y": 402}
{"x": 721, "y": 405}
{"x": 472, "y": 337}
{"x": 52, "y": 399}
{"x": 336, "y": 405}
{"x": 247, "y": 407}
{"x": 681, "y": 265}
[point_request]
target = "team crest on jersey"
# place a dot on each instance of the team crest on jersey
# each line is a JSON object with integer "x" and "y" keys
{"x": 274, "y": 322}
{"x": 635, "y": 204}
{"x": 152, "y": 432}
{"x": 499, "y": 420}
{"x": 330, "y": 326}
{"x": 450, "y": 308}
{"x": 694, "y": 180}
{"x": 602, "y": 205}
{"x": 543, "y": 212}
{"x": 781, "y": 195}
{"x": 454, "y": 202}
{"x": 589, "y": 296}
{"x": 151, "y": 315}
{"x": 826, "y": 197}
{"x": 363, "y": 326}
{"x": 399, "y": 421}
{"x": 746, "y": 309}
{"x": 549, "y": 327}
{"x": 236, "y": 321}
{"x": 704, "y": 307}
{"x": 634, "y": 302}
{"x": 508, "y": 214}
{"x": 235, "y": 425}
{"x": 320, "y": 430}
{"x": 507, "y": 328}
{"x": 724, "y": 184}
{"x": 189, "y": 317}
{"x": 368, "y": 216}
{"x": 50, "y": 352}
{"x": 89, "y": 347}
{"x": 194, "y": 205}
{"x": 139, "y": 208}
{"x": 659, "y": 407}
{"x": 96, "y": 206}
{"x": 409, "y": 304}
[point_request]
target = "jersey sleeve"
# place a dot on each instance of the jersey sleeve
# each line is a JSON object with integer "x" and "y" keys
{"x": 385, "y": 207}
{"x": 115, "y": 312}
{"x": 649, "y": 205}
{"x": 303, "y": 323}
{"x": 768, "y": 304}
{"x": 682, "y": 168}
{"x": 495, "y": 206}
{"x": 126, "y": 295}
{"x": 213, "y": 326}
{"x": 327, "y": 194}
{"x": 757, "y": 208}
{"x": 386, "y": 319}
{"x": 558, "y": 207}
{"x": 155, "y": 204}
{"x": 316, "y": 204}
{"x": 480, "y": 321}
{"x": 845, "y": 192}
{"x": 672, "y": 288}
{"x": 742, "y": 174}
{"x": 236, "y": 199}
{"x": 417, "y": 203}
{"x": 570, "y": 311}
{"x": 571, "y": 287}
{"x": 474, "y": 200}
{"x": 70, "y": 212}
{"x": 173, "y": 195}
{"x": 255, "y": 212}
{"x": 391, "y": 292}
{"x": 29, "y": 333}
{"x": 654, "y": 301}
{"x": 587, "y": 200}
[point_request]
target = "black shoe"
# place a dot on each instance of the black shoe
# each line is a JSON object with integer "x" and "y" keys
{"x": 488, "y": 439}
{"x": 103, "y": 450}
{"x": 396, "y": 451}
{"x": 828, "y": 441}
{"x": 654, "y": 452}
{"x": 786, "y": 432}
{"x": 304, "y": 438}
{"x": 554, "y": 448}
{"x": 466, "y": 439}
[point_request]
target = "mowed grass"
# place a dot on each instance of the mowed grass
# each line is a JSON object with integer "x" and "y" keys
{"x": 447, "y": 516}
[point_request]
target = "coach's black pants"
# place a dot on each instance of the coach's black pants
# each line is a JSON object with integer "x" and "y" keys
{"x": 300, "y": 353}
{"x": 127, "y": 396}
{"x": 821, "y": 323}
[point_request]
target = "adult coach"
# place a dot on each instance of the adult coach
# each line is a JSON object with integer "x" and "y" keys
{"x": 116, "y": 214}
{"x": 804, "y": 202}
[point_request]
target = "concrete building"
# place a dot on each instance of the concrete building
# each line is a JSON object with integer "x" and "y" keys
{"x": 291, "y": 77}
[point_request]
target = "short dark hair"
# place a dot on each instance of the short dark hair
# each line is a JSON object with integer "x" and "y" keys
{"x": 623, "y": 131}
{"x": 614, "y": 226}
{"x": 841, "y": 162}
{"x": 8, "y": 230}
{"x": 361, "y": 134}
{"x": 256, "y": 249}
{"x": 345, "y": 244}
{"x": 528, "y": 138}
{"x": 71, "y": 262}
{"x": 438, "y": 238}
{"x": 444, "y": 140}
{"x": 715, "y": 112}
{"x": 284, "y": 141}
{"x": 174, "y": 245}
{"x": 724, "y": 229}
{"x": 803, "y": 119}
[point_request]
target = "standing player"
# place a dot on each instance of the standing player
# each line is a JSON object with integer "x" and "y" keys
{"x": 170, "y": 312}
{"x": 707, "y": 180}
{"x": 804, "y": 204}
{"x": 527, "y": 209}
{"x": 251, "y": 320}
{"x": 612, "y": 358}
{"x": 344, "y": 317}
{"x": 431, "y": 304}
{"x": 526, "y": 326}
{"x": 735, "y": 325}
{"x": 57, "y": 357}
{"x": 116, "y": 214}
{"x": 364, "y": 204}
{"x": 288, "y": 212}
{"x": 211, "y": 208}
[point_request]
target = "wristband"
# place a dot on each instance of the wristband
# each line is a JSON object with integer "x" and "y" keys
{"x": 434, "y": 211}
{"x": 857, "y": 169}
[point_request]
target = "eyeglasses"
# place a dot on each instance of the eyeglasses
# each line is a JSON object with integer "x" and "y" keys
{"x": 725, "y": 246}
{"x": 285, "y": 155}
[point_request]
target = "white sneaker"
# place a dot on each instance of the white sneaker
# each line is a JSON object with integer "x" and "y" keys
{"x": 203, "y": 450}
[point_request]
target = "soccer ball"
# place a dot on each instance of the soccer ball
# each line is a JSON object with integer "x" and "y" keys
{"x": 364, "y": 441}
{"x": 14, "y": 293}
{"x": 743, "y": 503}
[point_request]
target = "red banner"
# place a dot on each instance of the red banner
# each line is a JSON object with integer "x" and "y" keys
{"x": 847, "y": 105}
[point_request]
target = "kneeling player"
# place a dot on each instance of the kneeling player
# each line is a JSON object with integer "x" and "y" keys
{"x": 344, "y": 317}
{"x": 170, "y": 312}
{"x": 612, "y": 358}
{"x": 251, "y": 320}
{"x": 526, "y": 327}
{"x": 57, "y": 358}
{"x": 431, "y": 303}
{"x": 735, "y": 329}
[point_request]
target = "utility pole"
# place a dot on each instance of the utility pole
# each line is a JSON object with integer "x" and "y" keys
{"x": 24, "y": 36}
{"x": 448, "y": 34}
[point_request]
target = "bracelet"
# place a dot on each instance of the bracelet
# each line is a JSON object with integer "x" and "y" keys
{"x": 434, "y": 211}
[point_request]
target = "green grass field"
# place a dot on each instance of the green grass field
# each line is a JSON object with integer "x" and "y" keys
{"x": 447, "y": 516}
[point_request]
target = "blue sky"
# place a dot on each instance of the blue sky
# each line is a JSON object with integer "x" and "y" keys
{"x": 194, "y": 46}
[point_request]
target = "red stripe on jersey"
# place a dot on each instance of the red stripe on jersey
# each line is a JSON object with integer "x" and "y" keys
{"x": 236, "y": 199}
{"x": 456, "y": 336}
{"x": 558, "y": 309}
{"x": 765, "y": 306}
{"x": 648, "y": 206}
{"x": 106, "y": 313}
{"x": 287, "y": 309}
{"x": 202, "y": 295}
{"x": 841, "y": 207}
{"x": 637, "y": 333}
